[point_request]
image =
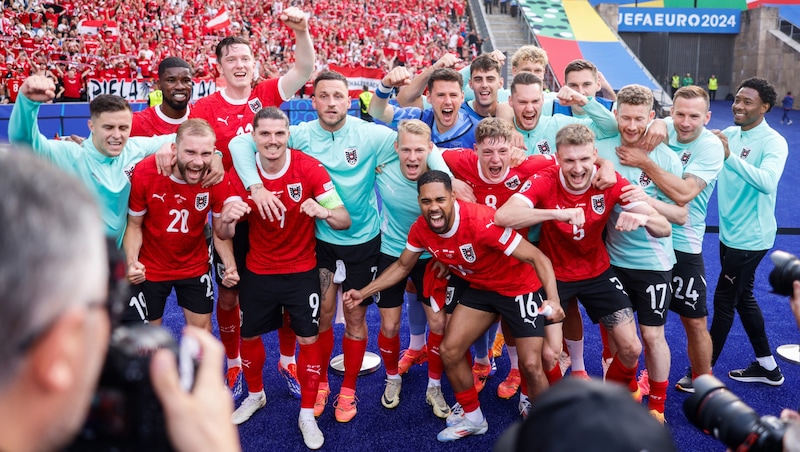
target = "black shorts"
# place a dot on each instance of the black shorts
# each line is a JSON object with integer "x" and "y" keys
{"x": 650, "y": 293}
{"x": 262, "y": 299}
{"x": 193, "y": 294}
{"x": 689, "y": 286}
{"x": 241, "y": 246}
{"x": 600, "y": 296}
{"x": 521, "y": 313}
{"x": 393, "y": 296}
{"x": 455, "y": 290}
{"x": 353, "y": 266}
{"x": 135, "y": 312}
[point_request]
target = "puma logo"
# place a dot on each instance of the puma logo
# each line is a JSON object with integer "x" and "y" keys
{"x": 693, "y": 305}
{"x": 223, "y": 120}
{"x": 313, "y": 369}
{"x": 246, "y": 363}
{"x": 661, "y": 312}
{"x": 730, "y": 278}
{"x": 526, "y": 320}
{"x": 161, "y": 197}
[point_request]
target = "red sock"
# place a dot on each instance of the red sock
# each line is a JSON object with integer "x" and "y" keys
{"x": 390, "y": 352}
{"x": 253, "y": 358}
{"x": 325, "y": 350}
{"x": 435, "y": 365}
{"x": 353, "y": 358}
{"x": 621, "y": 374}
{"x": 309, "y": 370}
{"x": 523, "y": 386}
{"x": 229, "y": 323}
{"x": 286, "y": 337}
{"x": 658, "y": 395}
{"x": 468, "y": 399}
{"x": 553, "y": 375}
{"x": 604, "y": 338}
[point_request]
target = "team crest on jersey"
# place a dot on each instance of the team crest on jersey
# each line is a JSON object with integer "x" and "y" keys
{"x": 745, "y": 152}
{"x": 543, "y": 147}
{"x": 351, "y": 155}
{"x": 129, "y": 170}
{"x": 513, "y": 183}
{"x": 525, "y": 186}
{"x": 201, "y": 201}
{"x": 468, "y": 252}
{"x": 644, "y": 179}
{"x": 599, "y": 204}
{"x": 295, "y": 191}
{"x": 685, "y": 158}
{"x": 255, "y": 105}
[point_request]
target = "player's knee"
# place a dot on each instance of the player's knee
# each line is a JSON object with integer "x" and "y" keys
{"x": 228, "y": 299}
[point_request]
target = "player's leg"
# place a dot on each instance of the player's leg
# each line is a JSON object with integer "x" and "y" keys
{"x": 417, "y": 352}
{"x": 155, "y": 296}
{"x": 326, "y": 262}
{"x": 689, "y": 301}
{"x": 196, "y": 297}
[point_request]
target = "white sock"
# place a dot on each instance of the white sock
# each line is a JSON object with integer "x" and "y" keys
{"x": 286, "y": 360}
{"x": 484, "y": 360}
{"x": 393, "y": 377}
{"x": 476, "y": 417}
{"x": 434, "y": 382}
{"x": 575, "y": 349}
{"x": 767, "y": 362}
{"x": 258, "y": 395}
{"x": 416, "y": 341}
{"x": 306, "y": 414}
{"x": 512, "y": 356}
{"x": 236, "y": 362}
{"x": 522, "y": 397}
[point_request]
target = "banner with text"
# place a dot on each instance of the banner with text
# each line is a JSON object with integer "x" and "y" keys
{"x": 679, "y": 20}
{"x": 359, "y": 76}
{"x": 135, "y": 90}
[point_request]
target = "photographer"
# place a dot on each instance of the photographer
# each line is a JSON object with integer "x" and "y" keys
{"x": 55, "y": 321}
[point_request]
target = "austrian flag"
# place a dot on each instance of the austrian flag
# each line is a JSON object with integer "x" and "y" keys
{"x": 220, "y": 21}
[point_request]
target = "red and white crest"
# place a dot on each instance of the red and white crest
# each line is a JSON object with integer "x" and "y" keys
{"x": 468, "y": 252}
{"x": 599, "y": 204}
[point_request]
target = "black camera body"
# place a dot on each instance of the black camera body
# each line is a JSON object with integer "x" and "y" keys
{"x": 721, "y": 414}
{"x": 125, "y": 414}
{"x": 787, "y": 270}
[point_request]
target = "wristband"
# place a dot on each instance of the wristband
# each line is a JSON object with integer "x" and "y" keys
{"x": 218, "y": 152}
{"x": 383, "y": 91}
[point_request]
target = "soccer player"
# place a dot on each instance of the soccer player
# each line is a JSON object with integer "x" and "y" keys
{"x": 350, "y": 149}
{"x": 573, "y": 216}
{"x": 755, "y": 155}
{"x": 463, "y": 237}
{"x": 451, "y": 127}
{"x": 230, "y": 112}
{"x": 175, "y": 79}
{"x": 281, "y": 270}
{"x": 701, "y": 155}
{"x": 485, "y": 81}
{"x": 164, "y": 241}
{"x": 642, "y": 262}
{"x": 582, "y": 76}
{"x": 397, "y": 186}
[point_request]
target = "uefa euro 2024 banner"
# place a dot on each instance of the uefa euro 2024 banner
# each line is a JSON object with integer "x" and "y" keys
{"x": 679, "y": 20}
{"x": 135, "y": 90}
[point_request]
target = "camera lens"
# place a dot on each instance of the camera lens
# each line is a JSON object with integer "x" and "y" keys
{"x": 787, "y": 269}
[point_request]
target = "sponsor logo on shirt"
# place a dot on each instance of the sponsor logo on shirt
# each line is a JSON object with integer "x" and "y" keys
{"x": 599, "y": 204}
{"x": 295, "y": 191}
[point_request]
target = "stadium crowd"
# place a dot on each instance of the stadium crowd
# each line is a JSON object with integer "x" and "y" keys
{"x": 128, "y": 39}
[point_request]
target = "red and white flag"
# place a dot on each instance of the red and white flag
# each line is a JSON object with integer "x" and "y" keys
{"x": 220, "y": 21}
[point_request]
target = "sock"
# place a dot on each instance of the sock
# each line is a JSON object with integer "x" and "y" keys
{"x": 229, "y": 323}
{"x": 325, "y": 350}
{"x": 481, "y": 347}
{"x": 308, "y": 373}
{"x": 621, "y": 374}
{"x": 390, "y": 352}
{"x": 658, "y": 395}
{"x": 433, "y": 382}
{"x": 435, "y": 365}
{"x": 604, "y": 338}
{"x": 468, "y": 400}
{"x": 417, "y": 321}
{"x": 767, "y": 362}
{"x": 286, "y": 342}
{"x": 353, "y": 358}
{"x": 306, "y": 414}
{"x": 512, "y": 356}
{"x": 235, "y": 362}
{"x": 416, "y": 341}
{"x": 575, "y": 349}
{"x": 553, "y": 375}
{"x": 253, "y": 356}
{"x": 523, "y": 387}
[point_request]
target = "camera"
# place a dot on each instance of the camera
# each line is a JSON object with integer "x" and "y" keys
{"x": 787, "y": 269}
{"x": 721, "y": 414}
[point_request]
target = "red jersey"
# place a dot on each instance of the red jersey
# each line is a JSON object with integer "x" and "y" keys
{"x": 231, "y": 118}
{"x": 151, "y": 122}
{"x": 175, "y": 213}
{"x": 475, "y": 248}
{"x": 463, "y": 162}
{"x": 287, "y": 245}
{"x": 13, "y": 85}
{"x": 577, "y": 254}
{"x": 72, "y": 86}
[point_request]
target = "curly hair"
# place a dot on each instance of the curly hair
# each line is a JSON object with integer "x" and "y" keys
{"x": 765, "y": 91}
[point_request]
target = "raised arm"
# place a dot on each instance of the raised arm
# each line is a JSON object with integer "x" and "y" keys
{"x": 299, "y": 74}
